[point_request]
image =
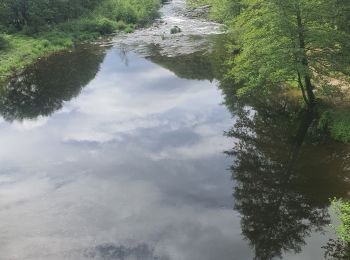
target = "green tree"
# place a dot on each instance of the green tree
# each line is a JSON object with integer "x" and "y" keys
{"x": 342, "y": 8}
{"x": 283, "y": 42}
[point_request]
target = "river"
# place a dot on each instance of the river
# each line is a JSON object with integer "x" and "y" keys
{"x": 136, "y": 148}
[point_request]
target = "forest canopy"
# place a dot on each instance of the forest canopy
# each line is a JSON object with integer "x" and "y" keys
{"x": 16, "y": 14}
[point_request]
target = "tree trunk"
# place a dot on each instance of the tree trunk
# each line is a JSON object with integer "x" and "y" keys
{"x": 309, "y": 90}
{"x": 304, "y": 61}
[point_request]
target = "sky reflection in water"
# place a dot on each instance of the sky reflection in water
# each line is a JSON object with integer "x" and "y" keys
{"x": 127, "y": 166}
{"x": 133, "y": 165}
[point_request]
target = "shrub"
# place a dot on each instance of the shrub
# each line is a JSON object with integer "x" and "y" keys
{"x": 175, "y": 30}
{"x": 129, "y": 28}
{"x": 99, "y": 25}
{"x": 131, "y": 11}
{"x": 340, "y": 125}
{"x": 120, "y": 25}
{"x": 337, "y": 122}
{"x": 55, "y": 38}
{"x": 104, "y": 26}
{"x": 342, "y": 210}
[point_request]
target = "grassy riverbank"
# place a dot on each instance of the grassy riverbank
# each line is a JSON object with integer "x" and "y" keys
{"x": 22, "y": 50}
{"x": 21, "y": 47}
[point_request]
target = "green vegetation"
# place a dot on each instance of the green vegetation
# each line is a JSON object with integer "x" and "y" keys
{"x": 36, "y": 15}
{"x": 337, "y": 122}
{"x": 22, "y": 50}
{"x": 175, "y": 30}
{"x": 3, "y": 42}
{"x": 222, "y": 10}
{"x": 342, "y": 210}
{"x": 298, "y": 44}
{"x": 32, "y": 29}
{"x": 301, "y": 43}
{"x": 16, "y": 15}
{"x": 340, "y": 249}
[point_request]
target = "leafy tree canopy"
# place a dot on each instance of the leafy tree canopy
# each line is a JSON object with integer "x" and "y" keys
{"x": 302, "y": 43}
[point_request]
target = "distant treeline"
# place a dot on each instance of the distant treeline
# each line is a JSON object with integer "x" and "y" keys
{"x": 18, "y": 15}
{"x": 30, "y": 29}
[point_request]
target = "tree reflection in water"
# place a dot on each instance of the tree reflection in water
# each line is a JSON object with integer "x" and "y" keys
{"x": 284, "y": 173}
{"x": 43, "y": 87}
{"x": 284, "y": 169}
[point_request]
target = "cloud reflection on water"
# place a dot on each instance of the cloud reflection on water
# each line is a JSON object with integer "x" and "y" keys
{"x": 133, "y": 163}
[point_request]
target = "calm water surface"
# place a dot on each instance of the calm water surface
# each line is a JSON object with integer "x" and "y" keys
{"x": 108, "y": 154}
{"x": 130, "y": 163}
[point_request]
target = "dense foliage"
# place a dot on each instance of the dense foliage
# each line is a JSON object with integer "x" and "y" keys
{"x": 222, "y": 10}
{"x": 17, "y": 14}
{"x": 276, "y": 44}
{"x": 299, "y": 43}
{"x": 337, "y": 122}
{"x": 35, "y": 28}
{"x": 342, "y": 209}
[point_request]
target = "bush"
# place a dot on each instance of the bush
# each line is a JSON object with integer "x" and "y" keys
{"x": 54, "y": 38}
{"x": 129, "y": 28}
{"x": 102, "y": 25}
{"x": 342, "y": 210}
{"x": 175, "y": 30}
{"x": 120, "y": 26}
{"x": 131, "y": 11}
{"x": 93, "y": 26}
{"x": 337, "y": 122}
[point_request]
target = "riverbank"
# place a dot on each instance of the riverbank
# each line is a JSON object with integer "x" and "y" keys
{"x": 328, "y": 85}
{"x": 78, "y": 120}
{"x": 22, "y": 50}
{"x": 24, "y": 47}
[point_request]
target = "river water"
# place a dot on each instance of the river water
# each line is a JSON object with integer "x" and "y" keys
{"x": 139, "y": 150}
